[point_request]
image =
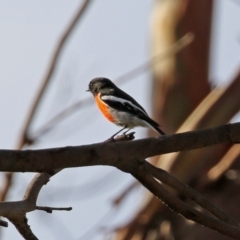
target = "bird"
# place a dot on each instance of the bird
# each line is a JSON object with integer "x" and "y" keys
{"x": 119, "y": 107}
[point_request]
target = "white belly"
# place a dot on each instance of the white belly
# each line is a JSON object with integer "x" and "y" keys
{"x": 127, "y": 119}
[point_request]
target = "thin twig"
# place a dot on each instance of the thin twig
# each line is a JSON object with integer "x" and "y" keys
{"x": 118, "y": 200}
{"x": 50, "y": 209}
{"x": 169, "y": 52}
{"x": 96, "y": 226}
{"x": 52, "y": 67}
{"x": 7, "y": 185}
{"x": 224, "y": 164}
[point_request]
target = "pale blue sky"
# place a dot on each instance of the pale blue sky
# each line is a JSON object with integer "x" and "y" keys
{"x": 112, "y": 39}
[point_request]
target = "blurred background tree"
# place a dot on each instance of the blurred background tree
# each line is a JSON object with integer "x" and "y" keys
{"x": 184, "y": 100}
{"x": 185, "y": 96}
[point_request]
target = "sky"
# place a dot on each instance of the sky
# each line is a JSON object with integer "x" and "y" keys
{"x": 112, "y": 39}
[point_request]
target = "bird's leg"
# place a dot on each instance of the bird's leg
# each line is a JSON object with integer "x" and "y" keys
{"x": 127, "y": 131}
{"x": 118, "y": 132}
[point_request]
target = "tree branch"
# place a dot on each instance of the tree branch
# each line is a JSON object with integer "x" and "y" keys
{"x": 24, "y": 138}
{"x": 114, "y": 153}
{"x": 20, "y": 222}
{"x": 188, "y": 192}
{"x": 128, "y": 157}
{"x": 182, "y": 208}
{"x": 52, "y": 66}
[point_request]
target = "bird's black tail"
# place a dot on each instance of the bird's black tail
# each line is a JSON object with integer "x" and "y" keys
{"x": 155, "y": 126}
{"x": 159, "y": 130}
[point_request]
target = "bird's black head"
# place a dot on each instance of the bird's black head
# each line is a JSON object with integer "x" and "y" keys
{"x": 101, "y": 84}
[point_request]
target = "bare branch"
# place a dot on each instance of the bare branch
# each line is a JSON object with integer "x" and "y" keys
{"x": 34, "y": 188}
{"x": 16, "y": 211}
{"x": 50, "y": 209}
{"x": 118, "y": 200}
{"x": 114, "y": 154}
{"x": 7, "y": 185}
{"x": 125, "y": 156}
{"x": 224, "y": 164}
{"x": 188, "y": 192}
{"x": 169, "y": 52}
{"x": 20, "y": 222}
{"x": 24, "y": 138}
{"x": 182, "y": 208}
{"x": 52, "y": 66}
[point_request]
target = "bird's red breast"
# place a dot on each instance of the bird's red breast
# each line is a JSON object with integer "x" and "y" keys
{"x": 103, "y": 108}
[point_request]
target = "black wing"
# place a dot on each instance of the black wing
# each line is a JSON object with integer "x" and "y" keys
{"x": 126, "y": 106}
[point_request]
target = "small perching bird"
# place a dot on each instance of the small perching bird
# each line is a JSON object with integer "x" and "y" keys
{"x": 120, "y": 108}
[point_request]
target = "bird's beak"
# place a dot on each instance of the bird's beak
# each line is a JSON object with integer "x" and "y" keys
{"x": 88, "y": 90}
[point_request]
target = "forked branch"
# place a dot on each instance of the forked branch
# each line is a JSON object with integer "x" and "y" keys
{"x": 127, "y": 156}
